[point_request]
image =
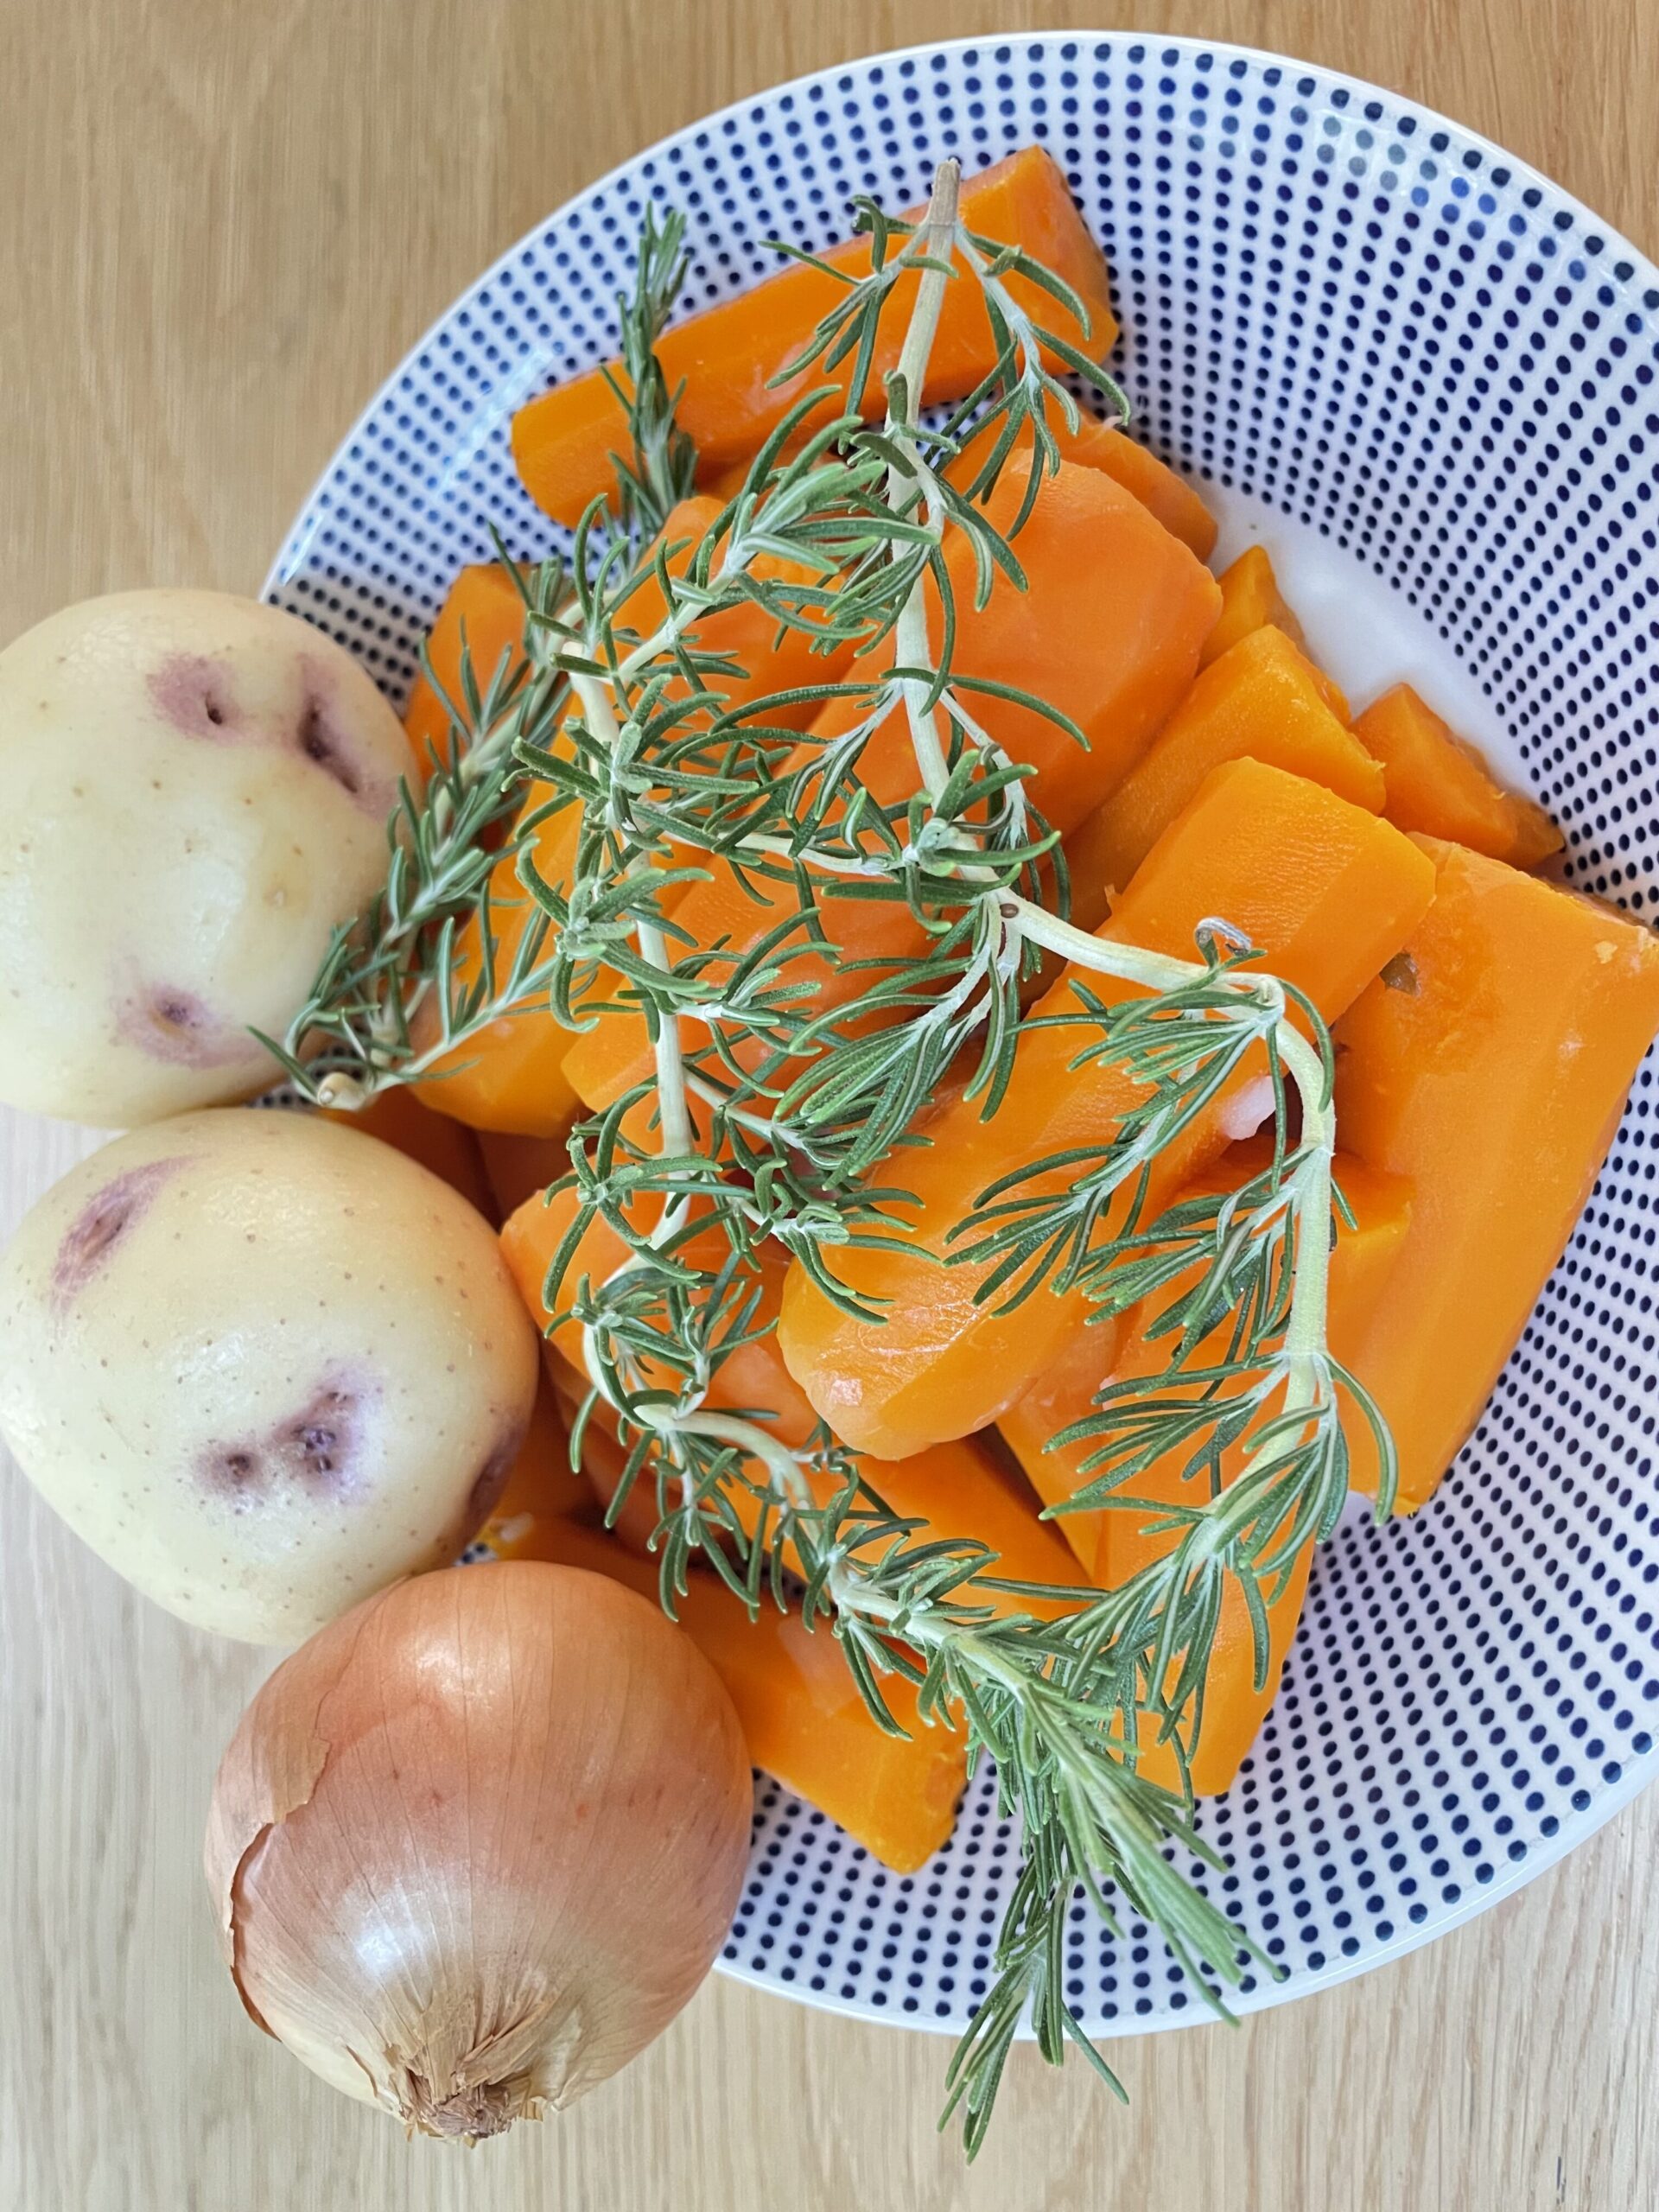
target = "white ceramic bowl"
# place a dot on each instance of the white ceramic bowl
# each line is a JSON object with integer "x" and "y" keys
{"x": 1426, "y": 375}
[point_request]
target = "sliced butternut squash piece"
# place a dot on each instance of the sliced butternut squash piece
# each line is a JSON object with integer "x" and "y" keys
{"x": 1440, "y": 784}
{"x": 1112, "y": 1349}
{"x": 1264, "y": 700}
{"x": 1063, "y": 1393}
{"x": 957, "y": 1489}
{"x": 1489, "y": 1066}
{"x": 518, "y": 1169}
{"x": 1094, "y": 444}
{"x": 1251, "y": 599}
{"x": 1326, "y": 891}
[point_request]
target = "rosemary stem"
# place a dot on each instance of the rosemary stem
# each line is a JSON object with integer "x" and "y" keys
{"x": 1305, "y": 1333}
{"x": 486, "y": 757}
{"x": 933, "y": 238}
{"x": 736, "y": 558}
{"x": 1130, "y": 963}
{"x": 850, "y": 1588}
{"x": 673, "y": 1110}
{"x": 1305, "y": 1360}
{"x": 760, "y": 1125}
{"x": 757, "y": 844}
{"x": 758, "y": 1443}
{"x": 911, "y": 647}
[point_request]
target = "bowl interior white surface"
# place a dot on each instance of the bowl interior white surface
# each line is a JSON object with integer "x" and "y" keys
{"x": 1374, "y": 332}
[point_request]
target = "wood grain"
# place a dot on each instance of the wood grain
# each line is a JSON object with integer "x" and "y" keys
{"x": 225, "y": 224}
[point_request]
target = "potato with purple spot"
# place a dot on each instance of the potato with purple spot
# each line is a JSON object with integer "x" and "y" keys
{"x": 197, "y": 789}
{"x": 264, "y": 1365}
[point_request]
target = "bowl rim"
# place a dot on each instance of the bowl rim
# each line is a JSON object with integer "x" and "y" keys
{"x": 1613, "y": 1798}
{"x": 1270, "y": 1993}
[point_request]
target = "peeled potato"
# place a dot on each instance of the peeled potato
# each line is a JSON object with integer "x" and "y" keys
{"x": 196, "y": 793}
{"x": 264, "y": 1365}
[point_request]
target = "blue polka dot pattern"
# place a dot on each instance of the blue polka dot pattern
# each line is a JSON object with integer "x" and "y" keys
{"x": 1389, "y": 330}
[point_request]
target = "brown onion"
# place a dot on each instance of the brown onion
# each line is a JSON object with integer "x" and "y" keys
{"x": 478, "y": 1841}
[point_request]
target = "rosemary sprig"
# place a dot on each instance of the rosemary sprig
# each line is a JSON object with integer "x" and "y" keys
{"x": 388, "y": 1000}
{"x": 780, "y": 1112}
{"x": 662, "y": 467}
{"x": 1064, "y": 1721}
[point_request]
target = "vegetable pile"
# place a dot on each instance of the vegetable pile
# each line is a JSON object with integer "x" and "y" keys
{"x": 971, "y": 1046}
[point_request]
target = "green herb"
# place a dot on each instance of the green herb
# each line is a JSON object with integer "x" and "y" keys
{"x": 662, "y": 470}
{"x": 389, "y": 1000}
{"x": 774, "y": 1115}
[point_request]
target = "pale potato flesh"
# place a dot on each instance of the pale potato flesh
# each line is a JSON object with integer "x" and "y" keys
{"x": 196, "y": 793}
{"x": 263, "y": 1365}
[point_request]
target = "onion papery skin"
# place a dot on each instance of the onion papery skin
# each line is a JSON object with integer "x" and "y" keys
{"x": 477, "y": 1842}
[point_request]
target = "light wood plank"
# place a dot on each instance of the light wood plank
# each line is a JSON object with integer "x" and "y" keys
{"x": 225, "y": 224}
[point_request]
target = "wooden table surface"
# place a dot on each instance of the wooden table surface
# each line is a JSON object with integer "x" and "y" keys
{"x": 224, "y": 224}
